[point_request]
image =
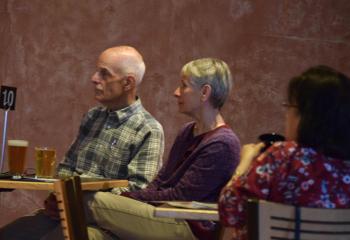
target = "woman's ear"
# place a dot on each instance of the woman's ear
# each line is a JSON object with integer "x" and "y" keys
{"x": 205, "y": 92}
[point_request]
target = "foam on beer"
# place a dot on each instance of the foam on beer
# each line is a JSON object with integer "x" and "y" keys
{"x": 17, "y": 143}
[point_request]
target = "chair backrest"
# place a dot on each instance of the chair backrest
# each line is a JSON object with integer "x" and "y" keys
{"x": 275, "y": 221}
{"x": 69, "y": 197}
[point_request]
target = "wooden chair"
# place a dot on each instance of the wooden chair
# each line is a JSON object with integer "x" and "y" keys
{"x": 274, "y": 221}
{"x": 69, "y": 196}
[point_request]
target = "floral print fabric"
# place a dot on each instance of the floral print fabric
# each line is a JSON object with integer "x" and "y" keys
{"x": 287, "y": 173}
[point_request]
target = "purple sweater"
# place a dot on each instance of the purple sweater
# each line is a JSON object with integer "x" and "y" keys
{"x": 197, "y": 168}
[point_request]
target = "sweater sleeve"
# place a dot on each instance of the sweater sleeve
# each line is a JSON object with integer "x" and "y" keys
{"x": 202, "y": 181}
{"x": 161, "y": 175}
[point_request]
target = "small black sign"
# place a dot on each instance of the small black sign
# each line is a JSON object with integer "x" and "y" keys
{"x": 8, "y": 97}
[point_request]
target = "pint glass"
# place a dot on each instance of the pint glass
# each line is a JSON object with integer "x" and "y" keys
{"x": 45, "y": 161}
{"x": 16, "y": 155}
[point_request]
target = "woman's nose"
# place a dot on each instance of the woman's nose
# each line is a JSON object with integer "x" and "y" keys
{"x": 177, "y": 92}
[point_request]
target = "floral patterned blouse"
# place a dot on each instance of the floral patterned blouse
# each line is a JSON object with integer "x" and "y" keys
{"x": 287, "y": 173}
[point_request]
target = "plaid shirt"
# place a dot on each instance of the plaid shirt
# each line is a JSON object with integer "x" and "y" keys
{"x": 123, "y": 144}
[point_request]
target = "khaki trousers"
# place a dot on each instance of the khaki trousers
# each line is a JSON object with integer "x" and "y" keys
{"x": 130, "y": 219}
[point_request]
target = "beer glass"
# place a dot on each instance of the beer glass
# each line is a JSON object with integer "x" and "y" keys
{"x": 16, "y": 155}
{"x": 45, "y": 161}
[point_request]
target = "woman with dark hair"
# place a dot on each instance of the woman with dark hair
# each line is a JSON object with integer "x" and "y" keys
{"x": 311, "y": 168}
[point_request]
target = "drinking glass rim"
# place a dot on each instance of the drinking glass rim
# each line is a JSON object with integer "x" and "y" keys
{"x": 17, "y": 143}
{"x": 45, "y": 148}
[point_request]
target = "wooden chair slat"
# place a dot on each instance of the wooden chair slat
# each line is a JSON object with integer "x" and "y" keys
{"x": 69, "y": 196}
{"x": 268, "y": 221}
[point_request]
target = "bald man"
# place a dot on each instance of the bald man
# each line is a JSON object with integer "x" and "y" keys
{"x": 118, "y": 140}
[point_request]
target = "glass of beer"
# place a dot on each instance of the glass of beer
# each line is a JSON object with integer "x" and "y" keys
{"x": 16, "y": 155}
{"x": 45, "y": 161}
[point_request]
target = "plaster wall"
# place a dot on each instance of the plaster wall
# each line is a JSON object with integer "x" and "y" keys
{"x": 48, "y": 51}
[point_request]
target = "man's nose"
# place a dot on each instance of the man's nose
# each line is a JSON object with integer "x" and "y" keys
{"x": 95, "y": 78}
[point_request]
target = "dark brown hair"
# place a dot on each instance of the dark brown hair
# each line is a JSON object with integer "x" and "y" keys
{"x": 322, "y": 97}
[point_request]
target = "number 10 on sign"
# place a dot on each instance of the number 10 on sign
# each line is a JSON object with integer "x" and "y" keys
{"x": 8, "y": 97}
{"x": 7, "y": 102}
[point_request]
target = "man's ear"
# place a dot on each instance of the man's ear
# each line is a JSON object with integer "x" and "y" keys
{"x": 129, "y": 82}
{"x": 205, "y": 92}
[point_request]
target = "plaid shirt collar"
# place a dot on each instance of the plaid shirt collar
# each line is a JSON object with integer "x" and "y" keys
{"x": 123, "y": 114}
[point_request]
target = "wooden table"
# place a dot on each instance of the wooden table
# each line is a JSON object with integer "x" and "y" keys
{"x": 186, "y": 213}
{"x": 86, "y": 185}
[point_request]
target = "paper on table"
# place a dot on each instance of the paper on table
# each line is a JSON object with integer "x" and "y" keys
{"x": 36, "y": 179}
{"x": 193, "y": 204}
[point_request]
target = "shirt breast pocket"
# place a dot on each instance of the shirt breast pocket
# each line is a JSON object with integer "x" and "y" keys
{"x": 117, "y": 160}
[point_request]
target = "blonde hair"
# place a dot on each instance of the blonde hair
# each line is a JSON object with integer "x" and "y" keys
{"x": 213, "y": 72}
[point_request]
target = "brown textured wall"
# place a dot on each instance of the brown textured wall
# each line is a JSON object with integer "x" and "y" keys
{"x": 48, "y": 50}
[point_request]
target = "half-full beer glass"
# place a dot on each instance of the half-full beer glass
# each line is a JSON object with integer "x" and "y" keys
{"x": 16, "y": 155}
{"x": 45, "y": 161}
